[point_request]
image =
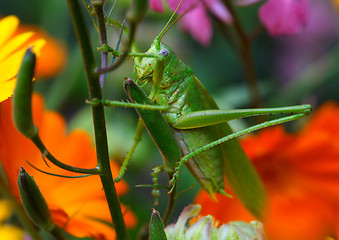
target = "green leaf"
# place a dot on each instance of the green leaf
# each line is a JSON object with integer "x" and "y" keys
{"x": 156, "y": 227}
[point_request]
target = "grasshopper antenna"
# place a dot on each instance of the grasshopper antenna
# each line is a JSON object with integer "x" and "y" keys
{"x": 166, "y": 28}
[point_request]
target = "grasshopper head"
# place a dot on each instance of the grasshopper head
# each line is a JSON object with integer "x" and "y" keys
{"x": 157, "y": 57}
{"x": 153, "y": 66}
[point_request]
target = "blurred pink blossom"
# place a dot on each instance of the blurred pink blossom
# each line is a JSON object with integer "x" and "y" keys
{"x": 200, "y": 30}
{"x": 197, "y": 21}
{"x": 156, "y": 5}
{"x": 280, "y": 17}
{"x": 284, "y": 17}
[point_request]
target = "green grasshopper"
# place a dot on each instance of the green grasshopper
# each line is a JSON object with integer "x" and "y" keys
{"x": 188, "y": 128}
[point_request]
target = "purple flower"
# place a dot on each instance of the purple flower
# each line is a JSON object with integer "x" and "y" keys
{"x": 294, "y": 54}
{"x": 284, "y": 17}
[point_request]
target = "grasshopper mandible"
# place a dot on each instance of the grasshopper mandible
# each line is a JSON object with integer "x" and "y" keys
{"x": 191, "y": 130}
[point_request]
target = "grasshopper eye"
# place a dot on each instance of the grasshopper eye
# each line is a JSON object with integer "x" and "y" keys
{"x": 164, "y": 52}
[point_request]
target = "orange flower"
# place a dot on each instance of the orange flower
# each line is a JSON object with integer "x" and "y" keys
{"x": 73, "y": 202}
{"x": 13, "y": 44}
{"x": 301, "y": 174}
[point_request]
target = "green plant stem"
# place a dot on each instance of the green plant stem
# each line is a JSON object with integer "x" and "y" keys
{"x": 25, "y": 221}
{"x": 57, "y": 233}
{"x": 98, "y": 119}
{"x": 171, "y": 203}
{"x": 246, "y": 57}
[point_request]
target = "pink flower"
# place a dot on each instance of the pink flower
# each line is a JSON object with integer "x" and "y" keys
{"x": 197, "y": 21}
{"x": 156, "y": 5}
{"x": 280, "y": 17}
{"x": 294, "y": 54}
{"x": 201, "y": 29}
{"x": 284, "y": 17}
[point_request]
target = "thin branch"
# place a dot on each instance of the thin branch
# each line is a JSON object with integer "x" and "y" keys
{"x": 246, "y": 56}
{"x": 103, "y": 36}
{"x": 125, "y": 54}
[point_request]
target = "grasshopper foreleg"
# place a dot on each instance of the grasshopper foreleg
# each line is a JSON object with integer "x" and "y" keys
{"x": 112, "y": 103}
{"x": 137, "y": 139}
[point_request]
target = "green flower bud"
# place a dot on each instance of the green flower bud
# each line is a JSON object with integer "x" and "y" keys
{"x": 33, "y": 202}
{"x": 156, "y": 227}
{"x": 22, "y": 96}
{"x": 137, "y": 11}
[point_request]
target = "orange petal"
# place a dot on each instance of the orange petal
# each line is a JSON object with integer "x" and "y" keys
{"x": 288, "y": 217}
{"x": 75, "y": 200}
{"x": 53, "y": 54}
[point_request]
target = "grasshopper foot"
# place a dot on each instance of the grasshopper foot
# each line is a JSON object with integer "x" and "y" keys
{"x": 95, "y": 101}
{"x": 118, "y": 179}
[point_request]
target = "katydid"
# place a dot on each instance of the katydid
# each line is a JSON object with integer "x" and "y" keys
{"x": 191, "y": 130}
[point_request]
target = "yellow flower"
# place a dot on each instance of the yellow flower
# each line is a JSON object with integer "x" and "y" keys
{"x": 8, "y": 232}
{"x": 12, "y": 50}
{"x": 53, "y": 54}
{"x": 5, "y": 210}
